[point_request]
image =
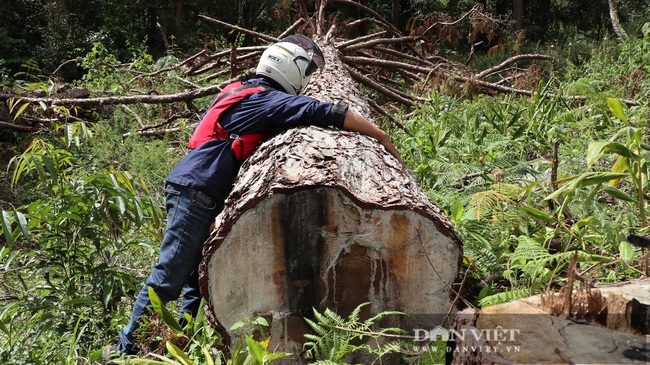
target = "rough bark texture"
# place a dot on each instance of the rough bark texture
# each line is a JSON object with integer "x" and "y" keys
{"x": 609, "y": 325}
{"x": 616, "y": 23}
{"x": 324, "y": 218}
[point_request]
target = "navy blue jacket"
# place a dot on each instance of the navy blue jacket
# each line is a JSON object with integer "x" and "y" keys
{"x": 211, "y": 168}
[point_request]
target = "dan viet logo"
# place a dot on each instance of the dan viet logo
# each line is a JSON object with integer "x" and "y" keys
{"x": 500, "y": 339}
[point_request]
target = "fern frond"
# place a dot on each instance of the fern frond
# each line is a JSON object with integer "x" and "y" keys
{"x": 486, "y": 200}
{"x": 529, "y": 249}
{"x": 378, "y": 317}
{"x": 317, "y": 328}
{"x": 354, "y": 316}
{"x": 504, "y": 297}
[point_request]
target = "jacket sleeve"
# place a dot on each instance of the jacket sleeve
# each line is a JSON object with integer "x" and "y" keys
{"x": 290, "y": 111}
{"x": 272, "y": 109}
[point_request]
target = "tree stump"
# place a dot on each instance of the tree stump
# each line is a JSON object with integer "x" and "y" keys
{"x": 609, "y": 325}
{"x": 321, "y": 218}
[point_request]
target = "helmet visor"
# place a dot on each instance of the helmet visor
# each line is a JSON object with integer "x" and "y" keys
{"x": 312, "y": 49}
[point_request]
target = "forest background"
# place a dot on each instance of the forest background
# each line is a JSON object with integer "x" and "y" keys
{"x": 528, "y": 181}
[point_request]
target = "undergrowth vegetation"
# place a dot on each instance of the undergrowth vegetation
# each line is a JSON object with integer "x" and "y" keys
{"x": 527, "y": 182}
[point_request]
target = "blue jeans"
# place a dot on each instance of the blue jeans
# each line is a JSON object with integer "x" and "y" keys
{"x": 190, "y": 213}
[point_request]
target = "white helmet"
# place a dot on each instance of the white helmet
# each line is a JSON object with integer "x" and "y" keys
{"x": 291, "y": 62}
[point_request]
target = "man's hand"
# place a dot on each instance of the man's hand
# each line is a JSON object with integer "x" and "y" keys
{"x": 357, "y": 123}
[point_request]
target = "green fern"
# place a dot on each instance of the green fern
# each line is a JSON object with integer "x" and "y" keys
{"x": 332, "y": 339}
{"x": 504, "y": 297}
{"x": 486, "y": 201}
{"x": 535, "y": 262}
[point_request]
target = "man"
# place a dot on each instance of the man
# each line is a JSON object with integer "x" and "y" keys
{"x": 241, "y": 116}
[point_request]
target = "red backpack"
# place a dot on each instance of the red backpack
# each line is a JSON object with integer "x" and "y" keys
{"x": 209, "y": 129}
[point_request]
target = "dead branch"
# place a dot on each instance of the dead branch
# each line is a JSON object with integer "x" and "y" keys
{"x": 374, "y": 42}
{"x": 64, "y": 64}
{"x": 358, "y": 40}
{"x": 186, "y": 61}
{"x": 383, "y": 112}
{"x": 510, "y": 90}
{"x": 403, "y": 55}
{"x": 293, "y": 27}
{"x": 129, "y": 99}
{"x": 19, "y": 127}
{"x": 396, "y": 32}
{"x": 383, "y": 89}
{"x": 491, "y": 86}
{"x": 384, "y": 63}
{"x": 136, "y": 116}
{"x": 199, "y": 68}
{"x": 511, "y": 60}
{"x": 387, "y": 82}
{"x": 320, "y": 14}
{"x": 263, "y": 36}
{"x": 473, "y": 10}
{"x": 373, "y": 13}
{"x": 152, "y": 132}
{"x": 372, "y": 60}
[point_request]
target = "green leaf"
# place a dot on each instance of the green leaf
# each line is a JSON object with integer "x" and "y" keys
{"x": 49, "y": 165}
{"x": 255, "y": 349}
{"x": 595, "y": 149}
{"x": 20, "y": 110}
{"x": 591, "y": 195}
{"x": 178, "y": 354}
{"x": 24, "y": 227}
{"x": 163, "y": 312}
{"x": 237, "y": 325}
{"x": 250, "y": 360}
{"x": 6, "y": 228}
{"x": 486, "y": 291}
{"x": 4, "y": 329}
{"x": 107, "y": 291}
{"x": 39, "y": 168}
{"x": 620, "y": 150}
{"x": 601, "y": 177}
{"x": 583, "y": 180}
{"x": 618, "y": 194}
{"x": 261, "y": 321}
{"x": 208, "y": 356}
{"x": 626, "y": 250}
{"x": 457, "y": 211}
{"x": 616, "y": 107}
{"x": 273, "y": 356}
{"x": 539, "y": 214}
{"x": 9, "y": 258}
{"x": 69, "y": 135}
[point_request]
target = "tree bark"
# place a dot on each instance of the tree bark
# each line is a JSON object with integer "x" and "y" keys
{"x": 322, "y": 218}
{"x": 616, "y": 23}
{"x": 395, "y": 12}
{"x": 518, "y": 14}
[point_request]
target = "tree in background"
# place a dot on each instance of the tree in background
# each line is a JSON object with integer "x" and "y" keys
{"x": 49, "y": 32}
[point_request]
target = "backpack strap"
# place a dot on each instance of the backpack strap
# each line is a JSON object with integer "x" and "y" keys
{"x": 232, "y": 91}
{"x": 209, "y": 127}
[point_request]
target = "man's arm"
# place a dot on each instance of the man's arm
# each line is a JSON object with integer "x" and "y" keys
{"x": 357, "y": 123}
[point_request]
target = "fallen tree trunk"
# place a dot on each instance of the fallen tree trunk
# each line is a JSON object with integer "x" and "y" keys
{"x": 327, "y": 219}
{"x": 608, "y": 325}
